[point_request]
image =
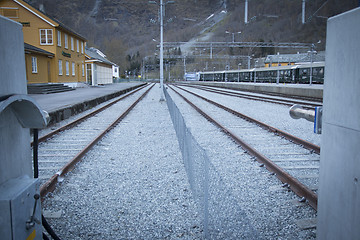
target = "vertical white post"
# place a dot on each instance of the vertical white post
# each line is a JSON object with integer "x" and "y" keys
{"x": 246, "y": 12}
{"x": 303, "y": 12}
{"x": 161, "y": 52}
{"x": 184, "y": 65}
{"x": 211, "y": 51}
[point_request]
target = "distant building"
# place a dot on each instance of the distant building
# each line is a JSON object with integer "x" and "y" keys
{"x": 99, "y": 69}
{"x": 116, "y": 71}
{"x": 291, "y": 59}
{"x": 54, "y": 52}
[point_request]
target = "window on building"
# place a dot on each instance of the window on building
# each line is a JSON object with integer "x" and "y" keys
{"x": 83, "y": 70}
{"x": 46, "y": 36}
{"x": 89, "y": 73}
{"x": 66, "y": 41}
{"x": 67, "y": 66}
{"x": 82, "y": 47}
{"x": 72, "y": 44}
{"x": 9, "y": 12}
{"x": 73, "y": 68}
{"x": 59, "y": 38}
{"x": 77, "y": 45}
{"x": 60, "y": 67}
{"x": 34, "y": 64}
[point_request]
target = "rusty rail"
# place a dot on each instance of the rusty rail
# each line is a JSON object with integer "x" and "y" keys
{"x": 265, "y": 126}
{"x": 285, "y": 102}
{"x": 294, "y": 184}
{"x": 50, "y": 185}
{"x": 77, "y": 121}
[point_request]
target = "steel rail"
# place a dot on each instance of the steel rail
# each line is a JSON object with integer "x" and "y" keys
{"x": 286, "y": 102}
{"x": 83, "y": 118}
{"x": 290, "y": 137}
{"x": 50, "y": 185}
{"x": 295, "y": 185}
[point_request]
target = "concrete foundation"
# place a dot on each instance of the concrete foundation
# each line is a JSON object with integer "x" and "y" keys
{"x": 314, "y": 91}
{"x": 339, "y": 191}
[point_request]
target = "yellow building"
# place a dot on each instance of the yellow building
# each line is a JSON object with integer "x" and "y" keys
{"x": 57, "y": 53}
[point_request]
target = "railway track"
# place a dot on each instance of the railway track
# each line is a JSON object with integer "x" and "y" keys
{"x": 307, "y": 104}
{"x": 59, "y": 150}
{"x": 296, "y": 165}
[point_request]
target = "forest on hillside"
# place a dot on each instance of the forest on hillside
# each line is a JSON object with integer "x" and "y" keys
{"x": 124, "y": 29}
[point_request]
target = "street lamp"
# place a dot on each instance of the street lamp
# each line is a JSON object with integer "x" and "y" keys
{"x": 239, "y": 72}
{"x": 233, "y": 35}
{"x": 311, "y": 53}
{"x": 162, "y": 6}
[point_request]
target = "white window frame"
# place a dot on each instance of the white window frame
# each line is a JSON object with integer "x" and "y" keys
{"x": 59, "y": 38}
{"x": 66, "y": 45}
{"x": 83, "y": 70}
{"x": 82, "y": 47}
{"x": 60, "y": 68}
{"x": 77, "y": 45}
{"x": 73, "y": 68}
{"x": 67, "y": 68}
{"x": 72, "y": 43}
{"x": 48, "y": 41}
{"x": 34, "y": 67}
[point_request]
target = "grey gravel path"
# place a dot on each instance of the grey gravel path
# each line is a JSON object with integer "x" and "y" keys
{"x": 133, "y": 185}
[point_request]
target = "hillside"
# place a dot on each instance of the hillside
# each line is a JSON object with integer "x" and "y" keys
{"x": 124, "y": 29}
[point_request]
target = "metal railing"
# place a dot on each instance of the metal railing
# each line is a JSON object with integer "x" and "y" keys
{"x": 222, "y": 217}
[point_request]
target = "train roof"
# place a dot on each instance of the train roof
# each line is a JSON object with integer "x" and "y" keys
{"x": 264, "y": 69}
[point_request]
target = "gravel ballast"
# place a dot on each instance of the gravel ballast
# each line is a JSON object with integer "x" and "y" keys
{"x": 133, "y": 185}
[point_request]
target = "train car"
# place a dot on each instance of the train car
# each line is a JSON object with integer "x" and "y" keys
{"x": 298, "y": 73}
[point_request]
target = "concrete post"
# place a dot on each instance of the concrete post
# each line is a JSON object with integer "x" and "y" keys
{"x": 339, "y": 189}
{"x": 13, "y": 137}
{"x": 20, "y": 210}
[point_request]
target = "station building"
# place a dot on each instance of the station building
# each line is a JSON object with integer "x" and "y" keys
{"x": 99, "y": 69}
{"x": 53, "y": 52}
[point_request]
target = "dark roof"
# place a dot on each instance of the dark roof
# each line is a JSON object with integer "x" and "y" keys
{"x": 94, "y": 55}
{"x": 34, "y": 49}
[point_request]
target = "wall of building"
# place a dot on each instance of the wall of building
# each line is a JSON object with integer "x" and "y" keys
{"x": 75, "y": 55}
{"x": 339, "y": 190}
{"x": 104, "y": 74}
{"x": 33, "y": 22}
{"x": 42, "y": 75}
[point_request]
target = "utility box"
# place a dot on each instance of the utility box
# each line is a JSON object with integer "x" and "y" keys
{"x": 20, "y": 211}
{"x": 21, "y": 216}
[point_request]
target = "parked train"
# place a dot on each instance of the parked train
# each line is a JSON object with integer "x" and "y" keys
{"x": 298, "y": 73}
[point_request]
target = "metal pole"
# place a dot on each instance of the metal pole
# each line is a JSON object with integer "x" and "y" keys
{"x": 162, "y": 98}
{"x": 303, "y": 11}
{"x": 311, "y": 63}
{"x": 35, "y": 152}
{"x": 246, "y": 12}
{"x": 184, "y": 65}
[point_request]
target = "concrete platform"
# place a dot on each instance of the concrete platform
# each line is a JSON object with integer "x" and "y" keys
{"x": 301, "y": 90}
{"x": 61, "y": 106}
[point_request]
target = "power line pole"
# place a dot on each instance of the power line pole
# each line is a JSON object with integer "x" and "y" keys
{"x": 246, "y": 12}
{"x": 303, "y": 11}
